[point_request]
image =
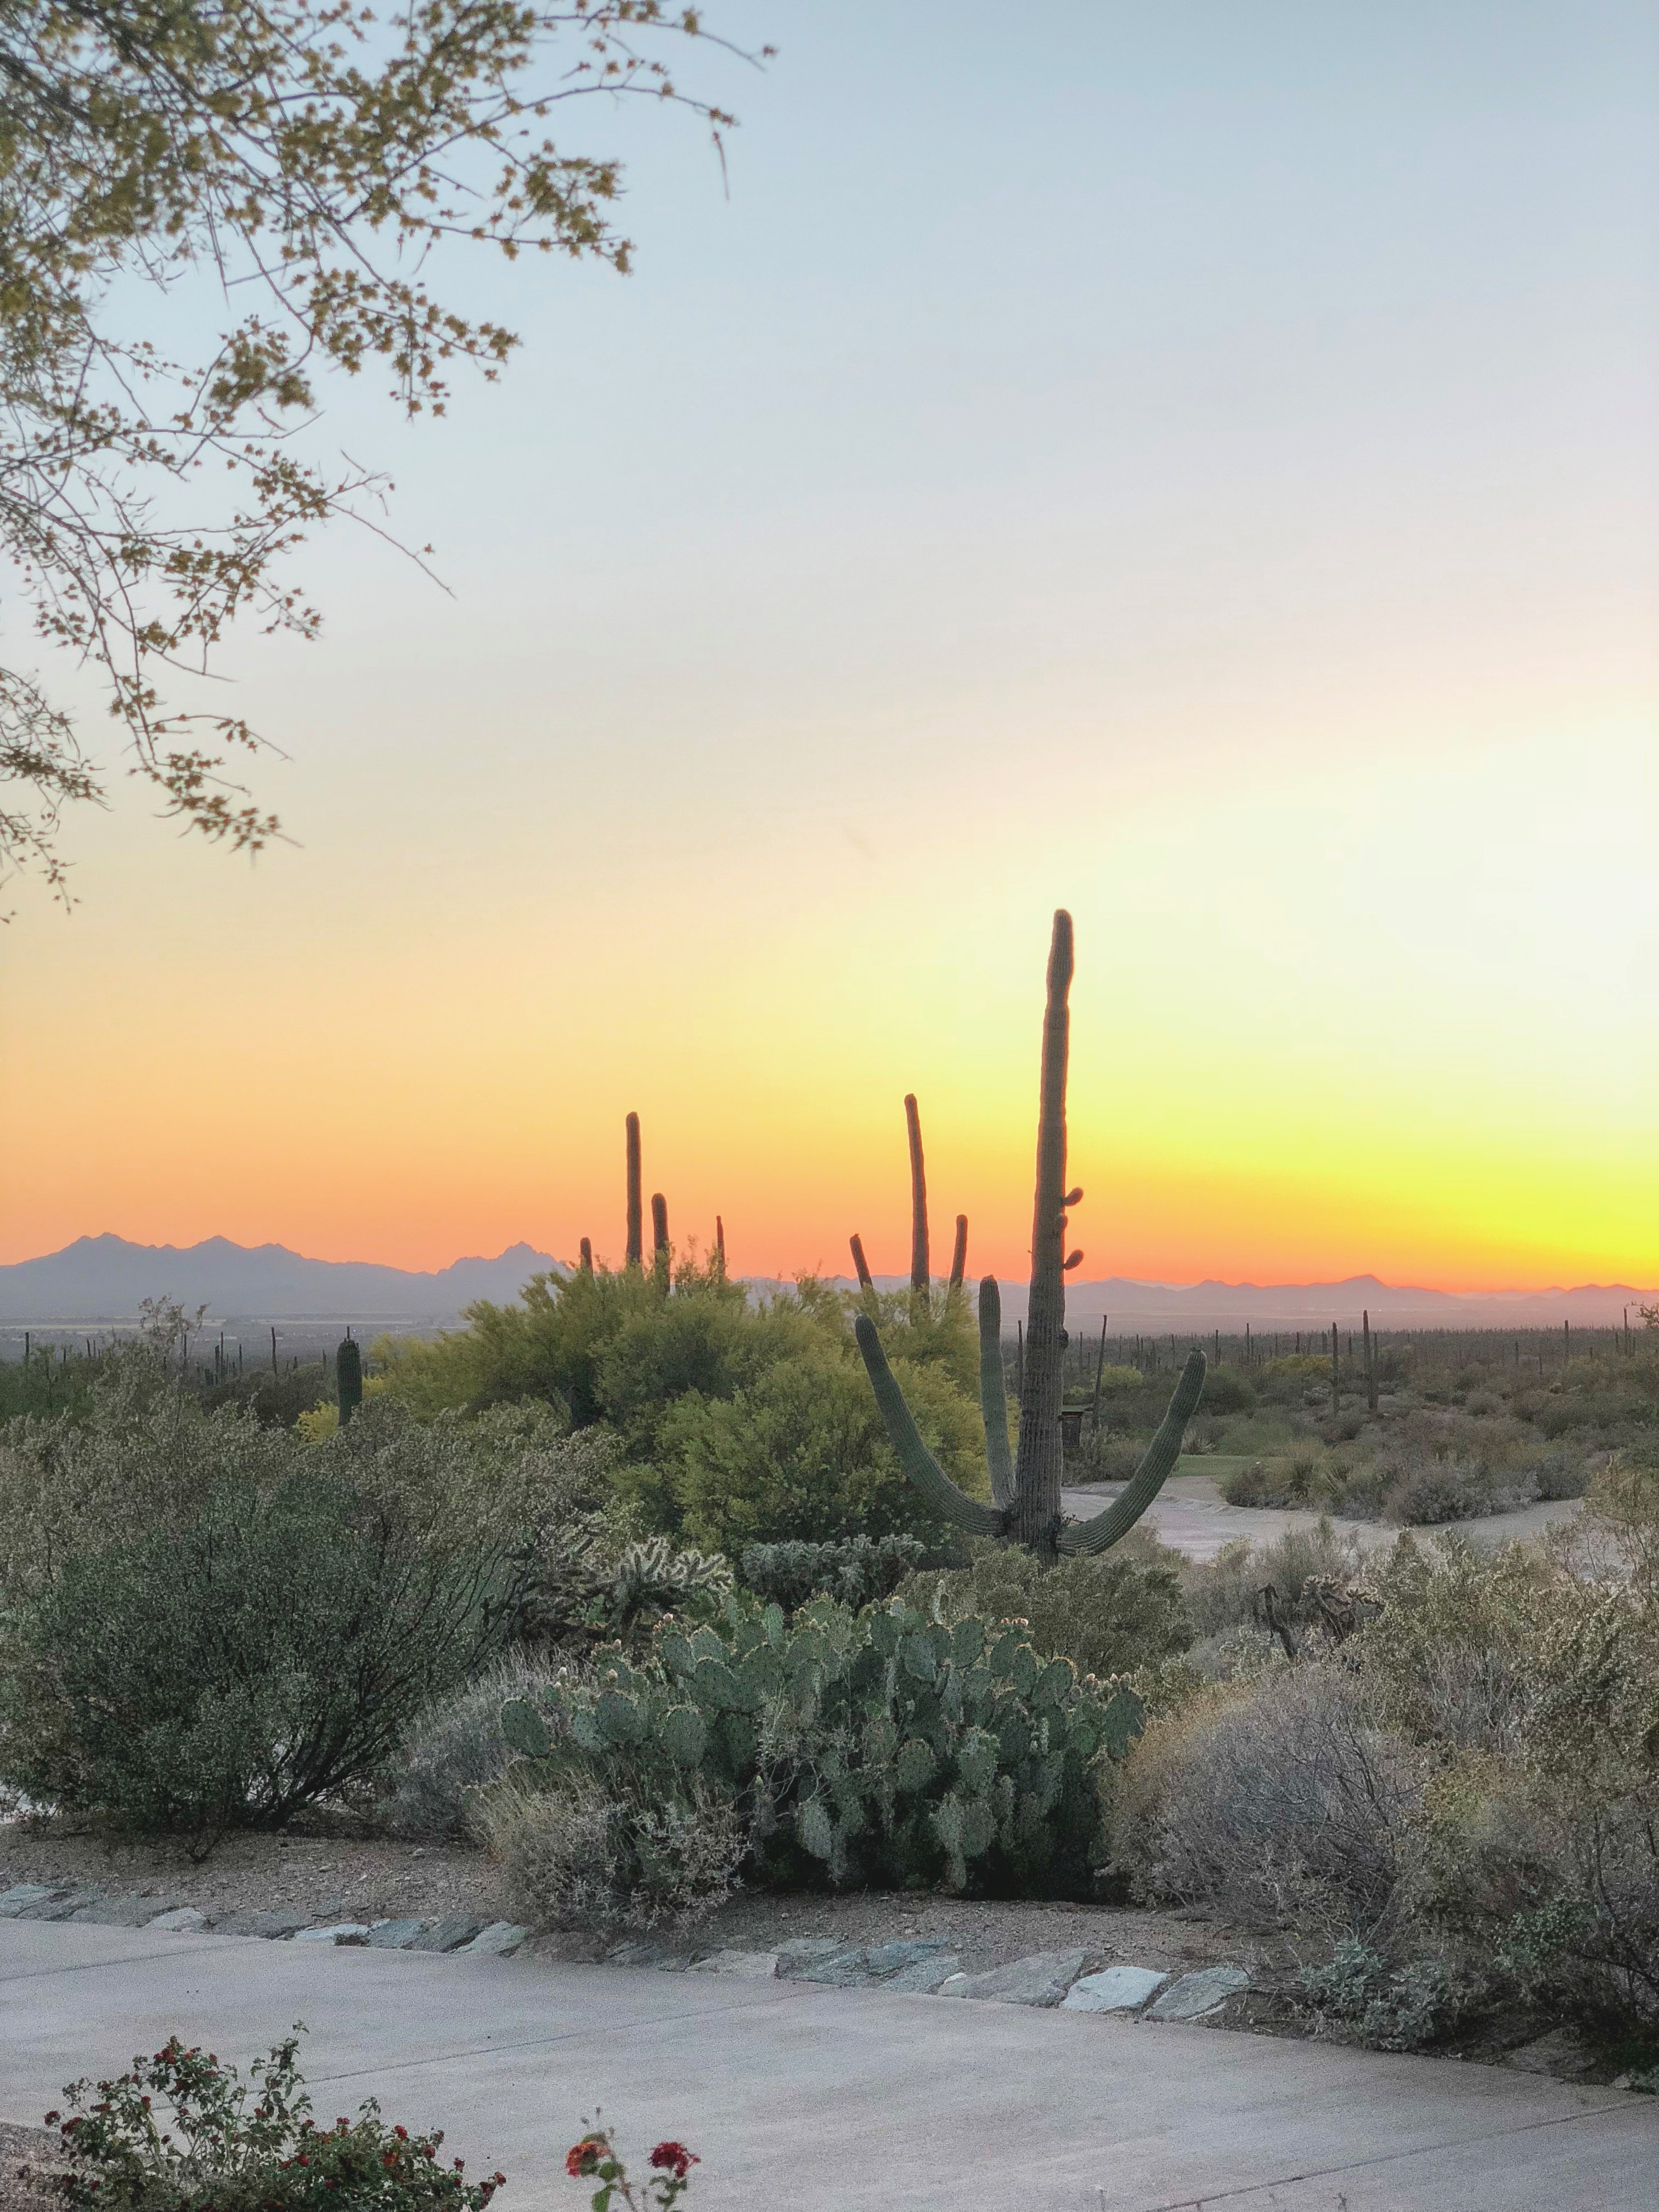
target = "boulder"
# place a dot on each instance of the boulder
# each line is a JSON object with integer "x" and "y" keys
{"x": 1115, "y": 1989}
{"x": 1041, "y": 1979}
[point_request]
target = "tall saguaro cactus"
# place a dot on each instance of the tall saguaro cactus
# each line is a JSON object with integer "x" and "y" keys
{"x": 349, "y": 1379}
{"x": 1025, "y": 1490}
{"x": 920, "y": 1276}
{"x": 636, "y": 1208}
{"x": 959, "y": 1252}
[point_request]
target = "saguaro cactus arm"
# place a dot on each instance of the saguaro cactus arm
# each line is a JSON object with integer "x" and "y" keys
{"x": 994, "y": 1392}
{"x": 1149, "y": 1478}
{"x": 918, "y": 1464}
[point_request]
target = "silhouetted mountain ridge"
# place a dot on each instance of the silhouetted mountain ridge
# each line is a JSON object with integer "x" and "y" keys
{"x": 103, "y": 1278}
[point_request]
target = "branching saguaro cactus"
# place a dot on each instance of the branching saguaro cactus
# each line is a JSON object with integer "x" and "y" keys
{"x": 1026, "y": 1489}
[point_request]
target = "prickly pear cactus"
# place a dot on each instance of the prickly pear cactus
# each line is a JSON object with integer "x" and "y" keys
{"x": 878, "y": 1747}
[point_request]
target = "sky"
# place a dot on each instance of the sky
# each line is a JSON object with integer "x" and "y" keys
{"x": 1198, "y": 465}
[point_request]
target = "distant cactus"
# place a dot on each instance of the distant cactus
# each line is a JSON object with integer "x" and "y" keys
{"x": 867, "y": 1281}
{"x": 959, "y": 1252}
{"x": 587, "y": 1255}
{"x": 349, "y": 1379}
{"x": 1371, "y": 1361}
{"x": 635, "y": 1211}
{"x": 1026, "y": 1495}
{"x": 719, "y": 1247}
{"x": 919, "y": 1278}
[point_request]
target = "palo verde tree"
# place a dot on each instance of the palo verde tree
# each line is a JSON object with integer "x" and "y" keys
{"x": 1025, "y": 1488}
{"x": 306, "y": 157}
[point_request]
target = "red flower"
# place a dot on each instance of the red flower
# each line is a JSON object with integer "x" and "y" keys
{"x": 676, "y": 2157}
{"x": 402, "y": 2134}
{"x": 584, "y": 2157}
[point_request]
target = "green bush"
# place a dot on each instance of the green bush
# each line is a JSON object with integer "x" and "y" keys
{"x": 877, "y": 1748}
{"x": 1108, "y": 1615}
{"x": 262, "y": 1654}
{"x": 802, "y": 1454}
{"x": 857, "y": 1570}
{"x": 236, "y": 2146}
{"x": 1225, "y": 1593}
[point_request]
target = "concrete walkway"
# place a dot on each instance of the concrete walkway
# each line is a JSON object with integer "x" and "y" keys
{"x": 803, "y": 2098}
{"x": 1190, "y": 1515}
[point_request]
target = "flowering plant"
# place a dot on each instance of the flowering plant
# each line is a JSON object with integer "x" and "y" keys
{"x": 594, "y": 2158}
{"x": 182, "y": 2132}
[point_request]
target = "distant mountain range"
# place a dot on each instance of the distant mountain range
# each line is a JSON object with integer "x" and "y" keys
{"x": 102, "y": 1278}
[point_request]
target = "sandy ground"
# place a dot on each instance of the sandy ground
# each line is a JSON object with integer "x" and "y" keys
{"x": 22, "y": 2153}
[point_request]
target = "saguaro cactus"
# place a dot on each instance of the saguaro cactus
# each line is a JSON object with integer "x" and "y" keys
{"x": 866, "y": 1281}
{"x": 349, "y": 1379}
{"x": 1371, "y": 1361}
{"x": 635, "y": 1211}
{"x": 919, "y": 1278}
{"x": 959, "y": 1252}
{"x": 587, "y": 1255}
{"x": 719, "y": 1247}
{"x": 1026, "y": 1491}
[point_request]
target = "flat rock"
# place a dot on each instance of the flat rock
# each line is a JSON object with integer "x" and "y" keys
{"x": 845, "y": 1967}
{"x": 1041, "y": 1979}
{"x": 60, "y": 1904}
{"x": 395, "y": 1934}
{"x": 274, "y": 1926}
{"x": 1115, "y": 1989}
{"x": 498, "y": 1941}
{"x": 893, "y": 1958}
{"x": 1195, "y": 1995}
{"x": 447, "y": 1934}
{"x": 342, "y": 1931}
{"x": 121, "y": 1912}
{"x": 799, "y": 1949}
{"x": 183, "y": 1920}
{"x": 742, "y": 1965}
{"x": 927, "y": 1976}
{"x": 24, "y": 1895}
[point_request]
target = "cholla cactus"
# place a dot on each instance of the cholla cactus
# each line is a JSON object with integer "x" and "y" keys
{"x": 1026, "y": 1491}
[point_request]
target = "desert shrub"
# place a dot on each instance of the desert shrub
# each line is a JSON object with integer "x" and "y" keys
{"x": 873, "y": 1748}
{"x": 1108, "y": 1615}
{"x": 857, "y": 1570}
{"x": 1225, "y": 1593}
{"x": 1537, "y": 1692}
{"x": 1226, "y": 1391}
{"x": 1300, "y": 1480}
{"x": 589, "y": 1855}
{"x": 455, "y": 1749}
{"x": 226, "y": 1670}
{"x": 802, "y": 1454}
{"x": 1283, "y": 1799}
{"x": 236, "y": 2146}
{"x": 1391, "y": 2008}
{"x": 1104, "y": 1458}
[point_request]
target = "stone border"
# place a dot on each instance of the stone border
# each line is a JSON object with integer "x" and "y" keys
{"x": 468, "y": 1935}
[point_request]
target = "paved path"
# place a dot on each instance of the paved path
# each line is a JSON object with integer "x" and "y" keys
{"x": 802, "y": 2098}
{"x": 1191, "y": 1515}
